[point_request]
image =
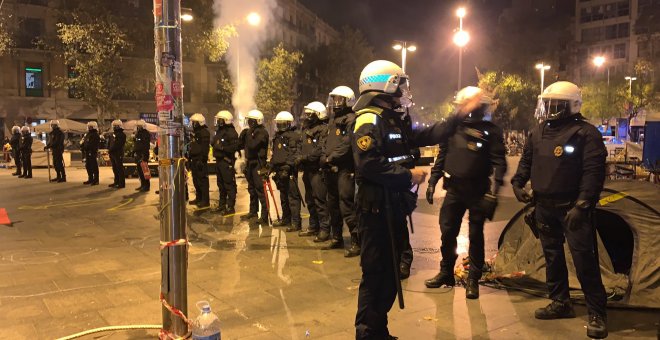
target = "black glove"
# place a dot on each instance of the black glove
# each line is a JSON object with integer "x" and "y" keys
{"x": 521, "y": 194}
{"x": 429, "y": 193}
{"x": 488, "y": 205}
{"x": 576, "y": 217}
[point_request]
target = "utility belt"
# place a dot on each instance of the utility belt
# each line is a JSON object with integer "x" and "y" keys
{"x": 564, "y": 200}
{"x": 371, "y": 198}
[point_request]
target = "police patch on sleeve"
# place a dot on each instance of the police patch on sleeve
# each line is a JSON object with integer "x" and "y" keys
{"x": 364, "y": 143}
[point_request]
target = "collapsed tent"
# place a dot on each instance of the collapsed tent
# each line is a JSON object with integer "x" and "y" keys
{"x": 627, "y": 219}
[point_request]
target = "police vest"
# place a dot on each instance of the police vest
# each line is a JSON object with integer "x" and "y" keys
{"x": 468, "y": 153}
{"x": 311, "y": 140}
{"x": 557, "y": 159}
{"x": 281, "y": 148}
{"x": 393, "y": 138}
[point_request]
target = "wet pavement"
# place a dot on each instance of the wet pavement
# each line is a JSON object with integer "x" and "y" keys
{"x": 80, "y": 257}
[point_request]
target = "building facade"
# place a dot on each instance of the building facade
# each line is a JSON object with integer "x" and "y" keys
{"x": 27, "y": 72}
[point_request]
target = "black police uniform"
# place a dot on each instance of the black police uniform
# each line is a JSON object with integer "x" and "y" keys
{"x": 116, "y": 151}
{"x": 285, "y": 150}
{"x": 256, "y": 149}
{"x": 91, "y": 149}
{"x": 199, "y": 158}
{"x": 467, "y": 160}
{"x": 56, "y": 146}
{"x": 565, "y": 161}
{"x": 339, "y": 176}
{"x": 225, "y": 144}
{"x": 141, "y": 148}
{"x": 382, "y": 146}
{"x": 311, "y": 149}
{"x": 15, "y": 143}
{"x": 26, "y": 154}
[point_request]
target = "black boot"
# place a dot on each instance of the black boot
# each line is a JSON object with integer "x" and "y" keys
{"x": 556, "y": 310}
{"x": 193, "y": 202}
{"x": 89, "y": 181}
{"x": 444, "y": 278}
{"x": 293, "y": 228}
{"x": 62, "y": 180}
{"x": 281, "y": 223}
{"x": 354, "y": 250}
{"x": 52, "y": 180}
{"x": 229, "y": 211}
{"x": 113, "y": 185}
{"x": 248, "y": 216}
{"x": 335, "y": 244}
{"x": 404, "y": 271}
{"x": 597, "y": 327}
{"x": 472, "y": 289}
{"x": 308, "y": 232}
{"x": 322, "y": 236}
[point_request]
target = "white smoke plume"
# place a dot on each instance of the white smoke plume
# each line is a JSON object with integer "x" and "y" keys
{"x": 244, "y": 50}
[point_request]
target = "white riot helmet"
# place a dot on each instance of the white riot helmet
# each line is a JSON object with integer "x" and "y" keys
{"x": 256, "y": 116}
{"x": 318, "y": 109}
{"x": 225, "y": 117}
{"x": 117, "y": 124}
{"x": 92, "y": 126}
{"x": 472, "y": 93}
{"x": 54, "y": 123}
{"x": 141, "y": 124}
{"x": 283, "y": 121}
{"x": 25, "y": 129}
{"x": 559, "y": 100}
{"x": 383, "y": 77}
{"x": 341, "y": 97}
{"x": 197, "y": 119}
{"x": 15, "y": 129}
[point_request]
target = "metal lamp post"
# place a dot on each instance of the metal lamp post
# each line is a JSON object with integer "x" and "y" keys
{"x": 404, "y": 47}
{"x": 542, "y": 68}
{"x": 461, "y": 38}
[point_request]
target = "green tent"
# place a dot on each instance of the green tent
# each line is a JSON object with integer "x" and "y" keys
{"x": 627, "y": 219}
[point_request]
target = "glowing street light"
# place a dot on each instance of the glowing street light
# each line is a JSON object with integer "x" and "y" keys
{"x": 599, "y": 61}
{"x": 186, "y": 14}
{"x": 404, "y": 47}
{"x": 254, "y": 19}
{"x": 460, "y": 12}
{"x": 461, "y": 38}
{"x": 542, "y": 67}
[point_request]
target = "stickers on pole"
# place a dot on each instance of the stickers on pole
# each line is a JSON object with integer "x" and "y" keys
{"x": 164, "y": 101}
{"x": 170, "y": 128}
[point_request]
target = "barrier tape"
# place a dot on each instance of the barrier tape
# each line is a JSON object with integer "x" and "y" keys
{"x": 174, "y": 243}
{"x": 165, "y": 334}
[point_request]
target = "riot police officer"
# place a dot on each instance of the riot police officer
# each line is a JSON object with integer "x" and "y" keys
{"x": 15, "y": 143}
{"x": 382, "y": 143}
{"x": 255, "y": 144}
{"x": 338, "y": 163}
{"x": 309, "y": 160}
{"x": 116, "y": 152}
{"x": 282, "y": 164}
{"x": 564, "y": 158}
{"x": 225, "y": 144}
{"x": 141, "y": 148}
{"x": 26, "y": 152}
{"x": 90, "y": 144}
{"x": 467, "y": 160}
{"x": 199, "y": 158}
{"x": 56, "y": 146}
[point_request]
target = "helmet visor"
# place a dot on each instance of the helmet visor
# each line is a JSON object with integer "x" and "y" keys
{"x": 552, "y": 109}
{"x": 282, "y": 125}
{"x": 404, "y": 92}
{"x": 336, "y": 102}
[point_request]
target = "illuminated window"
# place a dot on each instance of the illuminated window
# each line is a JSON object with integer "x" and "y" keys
{"x": 34, "y": 81}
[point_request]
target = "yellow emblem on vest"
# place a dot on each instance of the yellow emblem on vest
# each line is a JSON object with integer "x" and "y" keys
{"x": 309, "y": 141}
{"x": 279, "y": 145}
{"x": 364, "y": 143}
{"x": 338, "y": 132}
{"x": 559, "y": 151}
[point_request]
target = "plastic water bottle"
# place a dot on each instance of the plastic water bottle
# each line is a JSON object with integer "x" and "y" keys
{"x": 207, "y": 324}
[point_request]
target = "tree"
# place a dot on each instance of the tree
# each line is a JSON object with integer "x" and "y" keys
{"x": 6, "y": 39}
{"x": 516, "y": 99}
{"x": 600, "y": 101}
{"x": 341, "y": 61}
{"x": 94, "y": 47}
{"x": 275, "y": 79}
{"x": 643, "y": 94}
{"x": 225, "y": 88}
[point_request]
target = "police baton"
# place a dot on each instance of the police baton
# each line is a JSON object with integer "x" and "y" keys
{"x": 395, "y": 264}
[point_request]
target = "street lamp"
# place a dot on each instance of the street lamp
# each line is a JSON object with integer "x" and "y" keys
{"x": 542, "y": 67}
{"x": 461, "y": 38}
{"x": 404, "y": 47}
{"x": 186, "y": 14}
{"x": 600, "y": 61}
{"x": 254, "y": 19}
{"x": 630, "y": 80}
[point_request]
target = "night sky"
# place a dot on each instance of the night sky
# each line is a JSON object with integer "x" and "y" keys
{"x": 433, "y": 67}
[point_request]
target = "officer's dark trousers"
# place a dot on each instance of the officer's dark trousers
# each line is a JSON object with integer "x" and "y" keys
{"x": 226, "y": 179}
{"x": 58, "y": 164}
{"x": 144, "y": 183}
{"x": 553, "y": 231}
{"x": 257, "y": 194}
{"x": 92, "y": 167}
{"x": 17, "y": 161}
{"x": 290, "y": 198}
{"x": 117, "y": 162}
{"x": 377, "y": 288}
{"x": 26, "y": 160}
{"x": 451, "y": 214}
{"x": 316, "y": 198}
{"x": 341, "y": 197}
{"x": 200, "y": 176}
